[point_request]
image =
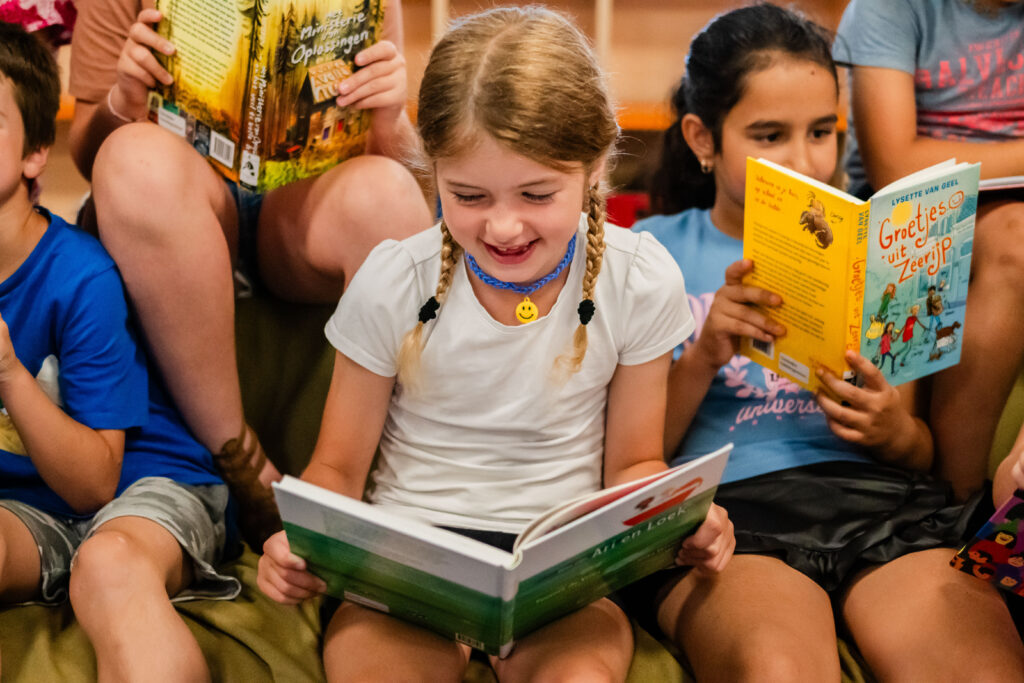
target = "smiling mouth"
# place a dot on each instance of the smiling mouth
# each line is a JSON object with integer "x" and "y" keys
{"x": 510, "y": 255}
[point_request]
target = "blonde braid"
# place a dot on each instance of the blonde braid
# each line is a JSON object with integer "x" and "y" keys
{"x": 412, "y": 343}
{"x": 595, "y": 254}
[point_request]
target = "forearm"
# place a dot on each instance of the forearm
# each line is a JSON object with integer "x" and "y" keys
{"x": 322, "y": 472}
{"x": 911, "y": 448}
{"x": 637, "y": 470}
{"x": 391, "y": 137}
{"x": 997, "y": 159}
{"x": 688, "y": 384}
{"x": 80, "y": 464}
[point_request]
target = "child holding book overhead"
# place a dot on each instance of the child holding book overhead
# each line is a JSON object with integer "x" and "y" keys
{"x": 105, "y": 497}
{"x": 509, "y": 358}
{"x": 930, "y": 80}
{"x": 834, "y": 512}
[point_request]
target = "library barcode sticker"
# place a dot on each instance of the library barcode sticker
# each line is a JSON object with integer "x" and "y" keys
{"x": 765, "y": 347}
{"x": 171, "y": 121}
{"x": 793, "y": 367}
{"x": 222, "y": 149}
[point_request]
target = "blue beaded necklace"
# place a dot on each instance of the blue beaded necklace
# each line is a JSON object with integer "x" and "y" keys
{"x": 526, "y": 310}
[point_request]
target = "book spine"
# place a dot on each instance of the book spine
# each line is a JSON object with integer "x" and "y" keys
{"x": 856, "y": 265}
{"x": 254, "y": 106}
{"x": 506, "y": 630}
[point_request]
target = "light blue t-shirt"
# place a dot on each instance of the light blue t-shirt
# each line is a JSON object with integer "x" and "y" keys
{"x": 69, "y": 322}
{"x": 968, "y": 66}
{"x": 774, "y": 424}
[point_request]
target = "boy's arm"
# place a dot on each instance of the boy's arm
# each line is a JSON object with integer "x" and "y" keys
{"x": 885, "y": 115}
{"x": 82, "y": 465}
{"x": 354, "y": 413}
{"x": 635, "y": 421}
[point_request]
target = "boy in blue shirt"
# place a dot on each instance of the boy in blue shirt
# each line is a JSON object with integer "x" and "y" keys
{"x": 105, "y": 497}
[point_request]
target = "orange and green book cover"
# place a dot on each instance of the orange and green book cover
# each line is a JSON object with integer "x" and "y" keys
{"x": 886, "y": 277}
{"x": 474, "y": 593}
{"x": 255, "y": 83}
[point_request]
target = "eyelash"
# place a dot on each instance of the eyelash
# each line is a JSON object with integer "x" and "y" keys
{"x": 529, "y": 196}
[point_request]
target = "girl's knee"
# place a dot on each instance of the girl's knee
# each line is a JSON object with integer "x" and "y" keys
{"x": 357, "y": 187}
{"x": 1000, "y": 239}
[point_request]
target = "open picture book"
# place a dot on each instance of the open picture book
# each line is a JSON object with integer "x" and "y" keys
{"x": 886, "y": 277}
{"x": 469, "y": 591}
{"x": 996, "y": 553}
{"x": 255, "y": 84}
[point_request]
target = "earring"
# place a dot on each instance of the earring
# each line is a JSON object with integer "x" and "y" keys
{"x": 705, "y": 166}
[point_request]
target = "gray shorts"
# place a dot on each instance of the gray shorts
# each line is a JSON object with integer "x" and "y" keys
{"x": 194, "y": 515}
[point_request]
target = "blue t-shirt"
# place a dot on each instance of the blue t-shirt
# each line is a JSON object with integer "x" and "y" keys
{"x": 968, "y": 66}
{"x": 774, "y": 424}
{"x": 68, "y": 318}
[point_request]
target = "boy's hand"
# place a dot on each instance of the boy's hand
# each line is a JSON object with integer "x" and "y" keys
{"x": 380, "y": 83}
{"x": 137, "y": 68}
{"x": 8, "y": 360}
{"x": 711, "y": 546}
{"x": 283, "y": 576}
{"x": 731, "y": 316}
{"x": 875, "y": 415}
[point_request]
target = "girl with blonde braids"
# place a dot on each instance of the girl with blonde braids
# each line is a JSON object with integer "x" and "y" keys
{"x": 507, "y": 359}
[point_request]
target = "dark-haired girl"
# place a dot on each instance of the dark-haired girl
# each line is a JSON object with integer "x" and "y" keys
{"x": 834, "y": 513}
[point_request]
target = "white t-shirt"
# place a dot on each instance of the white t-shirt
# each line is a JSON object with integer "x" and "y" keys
{"x": 489, "y": 440}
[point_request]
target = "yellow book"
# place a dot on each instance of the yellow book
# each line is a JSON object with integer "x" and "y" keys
{"x": 255, "y": 83}
{"x": 886, "y": 277}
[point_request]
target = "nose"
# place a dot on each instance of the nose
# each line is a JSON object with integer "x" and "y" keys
{"x": 800, "y": 158}
{"x": 503, "y": 226}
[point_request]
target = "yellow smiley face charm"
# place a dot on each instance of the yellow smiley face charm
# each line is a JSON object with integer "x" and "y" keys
{"x": 526, "y": 311}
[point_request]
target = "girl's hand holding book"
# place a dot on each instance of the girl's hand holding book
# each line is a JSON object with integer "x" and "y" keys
{"x": 731, "y": 316}
{"x": 875, "y": 415}
{"x": 138, "y": 69}
{"x": 282, "y": 576}
{"x": 380, "y": 82}
{"x": 711, "y": 546}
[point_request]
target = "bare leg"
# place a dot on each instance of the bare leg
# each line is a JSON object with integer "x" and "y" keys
{"x": 19, "y": 560}
{"x": 759, "y": 620}
{"x": 169, "y": 222}
{"x": 993, "y": 348}
{"x": 120, "y": 585}
{"x": 363, "y": 645}
{"x": 314, "y": 235}
{"x": 593, "y": 644}
{"x": 916, "y": 619}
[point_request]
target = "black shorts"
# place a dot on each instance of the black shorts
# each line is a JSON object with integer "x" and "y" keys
{"x": 828, "y": 521}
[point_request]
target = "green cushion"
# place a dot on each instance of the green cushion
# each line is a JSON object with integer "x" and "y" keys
{"x": 242, "y": 639}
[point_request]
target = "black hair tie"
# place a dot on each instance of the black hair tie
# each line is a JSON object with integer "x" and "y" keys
{"x": 429, "y": 310}
{"x": 586, "y": 311}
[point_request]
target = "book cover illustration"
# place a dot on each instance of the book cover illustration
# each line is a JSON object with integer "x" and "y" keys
{"x": 255, "y": 83}
{"x": 885, "y": 277}
{"x": 996, "y": 553}
{"x": 915, "y": 282}
{"x": 483, "y": 596}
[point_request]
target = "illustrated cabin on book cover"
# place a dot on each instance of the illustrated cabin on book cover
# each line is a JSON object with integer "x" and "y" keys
{"x": 885, "y": 277}
{"x": 255, "y": 83}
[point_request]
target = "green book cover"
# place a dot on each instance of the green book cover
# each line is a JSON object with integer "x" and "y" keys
{"x": 480, "y": 595}
{"x": 255, "y": 83}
